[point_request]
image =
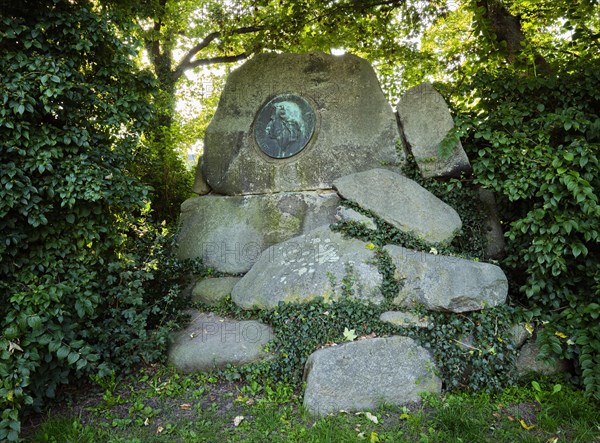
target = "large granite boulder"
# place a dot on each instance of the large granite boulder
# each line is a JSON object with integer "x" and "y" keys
{"x": 401, "y": 202}
{"x": 353, "y": 126}
{"x": 443, "y": 283}
{"x": 365, "y": 374}
{"x": 211, "y": 342}
{"x": 426, "y": 120}
{"x": 212, "y": 291}
{"x": 229, "y": 232}
{"x": 316, "y": 264}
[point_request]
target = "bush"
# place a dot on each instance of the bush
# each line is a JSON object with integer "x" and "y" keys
{"x": 83, "y": 277}
{"x": 535, "y": 142}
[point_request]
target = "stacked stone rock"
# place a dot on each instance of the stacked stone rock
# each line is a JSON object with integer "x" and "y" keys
{"x": 268, "y": 219}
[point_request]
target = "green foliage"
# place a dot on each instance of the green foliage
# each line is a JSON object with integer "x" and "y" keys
{"x": 318, "y": 323}
{"x": 202, "y": 406}
{"x": 86, "y": 284}
{"x": 472, "y": 350}
{"x": 535, "y": 142}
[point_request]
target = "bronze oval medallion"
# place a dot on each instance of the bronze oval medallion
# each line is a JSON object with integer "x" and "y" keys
{"x": 284, "y": 126}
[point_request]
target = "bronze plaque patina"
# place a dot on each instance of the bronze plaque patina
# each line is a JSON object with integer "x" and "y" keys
{"x": 284, "y": 126}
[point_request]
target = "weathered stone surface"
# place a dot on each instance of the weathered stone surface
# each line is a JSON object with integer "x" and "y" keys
{"x": 349, "y": 214}
{"x": 211, "y": 291}
{"x": 493, "y": 229}
{"x": 527, "y": 361}
{"x": 200, "y": 186}
{"x": 518, "y": 335}
{"x": 401, "y": 202}
{"x": 229, "y": 232}
{"x": 426, "y": 120}
{"x": 364, "y": 374}
{"x": 442, "y": 283}
{"x": 309, "y": 266}
{"x": 355, "y": 126}
{"x": 405, "y": 319}
{"x": 212, "y": 342}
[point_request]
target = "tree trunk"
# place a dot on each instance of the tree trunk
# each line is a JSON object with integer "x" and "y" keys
{"x": 508, "y": 29}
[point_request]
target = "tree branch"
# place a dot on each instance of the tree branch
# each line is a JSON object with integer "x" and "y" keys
{"x": 208, "y": 61}
{"x": 187, "y": 62}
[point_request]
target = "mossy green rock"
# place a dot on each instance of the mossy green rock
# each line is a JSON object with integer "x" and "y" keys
{"x": 318, "y": 264}
{"x": 212, "y": 291}
{"x": 355, "y": 128}
{"x": 426, "y": 121}
{"x": 229, "y": 232}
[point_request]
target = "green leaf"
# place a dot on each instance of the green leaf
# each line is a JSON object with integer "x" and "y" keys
{"x": 34, "y": 321}
{"x": 62, "y": 352}
{"x": 73, "y": 357}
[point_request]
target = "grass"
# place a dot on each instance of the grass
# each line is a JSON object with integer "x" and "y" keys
{"x": 159, "y": 405}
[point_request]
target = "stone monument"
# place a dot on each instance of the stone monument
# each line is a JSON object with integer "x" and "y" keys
{"x": 293, "y": 136}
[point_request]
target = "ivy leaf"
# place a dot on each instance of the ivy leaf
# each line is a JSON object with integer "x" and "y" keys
{"x": 349, "y": 334}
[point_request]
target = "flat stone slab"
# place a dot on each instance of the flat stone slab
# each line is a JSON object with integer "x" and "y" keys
{"x": 349, "y": 214}
{"x": 404, "y": 319}
{"x": 212, "y": 291}
{"x": 426, "y": 120}
{"x": 365, "y": 374}
{"x": 401, "y": 202}
{"x": 308, "y": 266}
{"x": 211, "y": 342}
{"x": 229, "y": 232}
{"x": 354, "y": 126}
{"x": 442, "y": 283}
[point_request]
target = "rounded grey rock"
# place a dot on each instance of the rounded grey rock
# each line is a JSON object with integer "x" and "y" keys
{"x": 366, "y": 374}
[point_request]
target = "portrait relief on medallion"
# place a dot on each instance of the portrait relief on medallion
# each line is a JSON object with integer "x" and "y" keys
{"x": 284, "y": 126}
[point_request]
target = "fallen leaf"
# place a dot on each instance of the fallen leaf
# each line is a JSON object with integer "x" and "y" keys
{"x": 349, "y": 334}
{"x": 525, "y": 425}
{"x": 147, "y": 421}
{"x": 371, "y": 417}
{"x": 510, "y": 418}
{"x": 529, "y": 328}
{"x": 159, "y": 429}
{"x": 12, "y": 347}
{"x": 560, "y": 334}
{"x": 237, "y": 420}
{"x": 552, "y": 440}
{"x": 185, "y": 407}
